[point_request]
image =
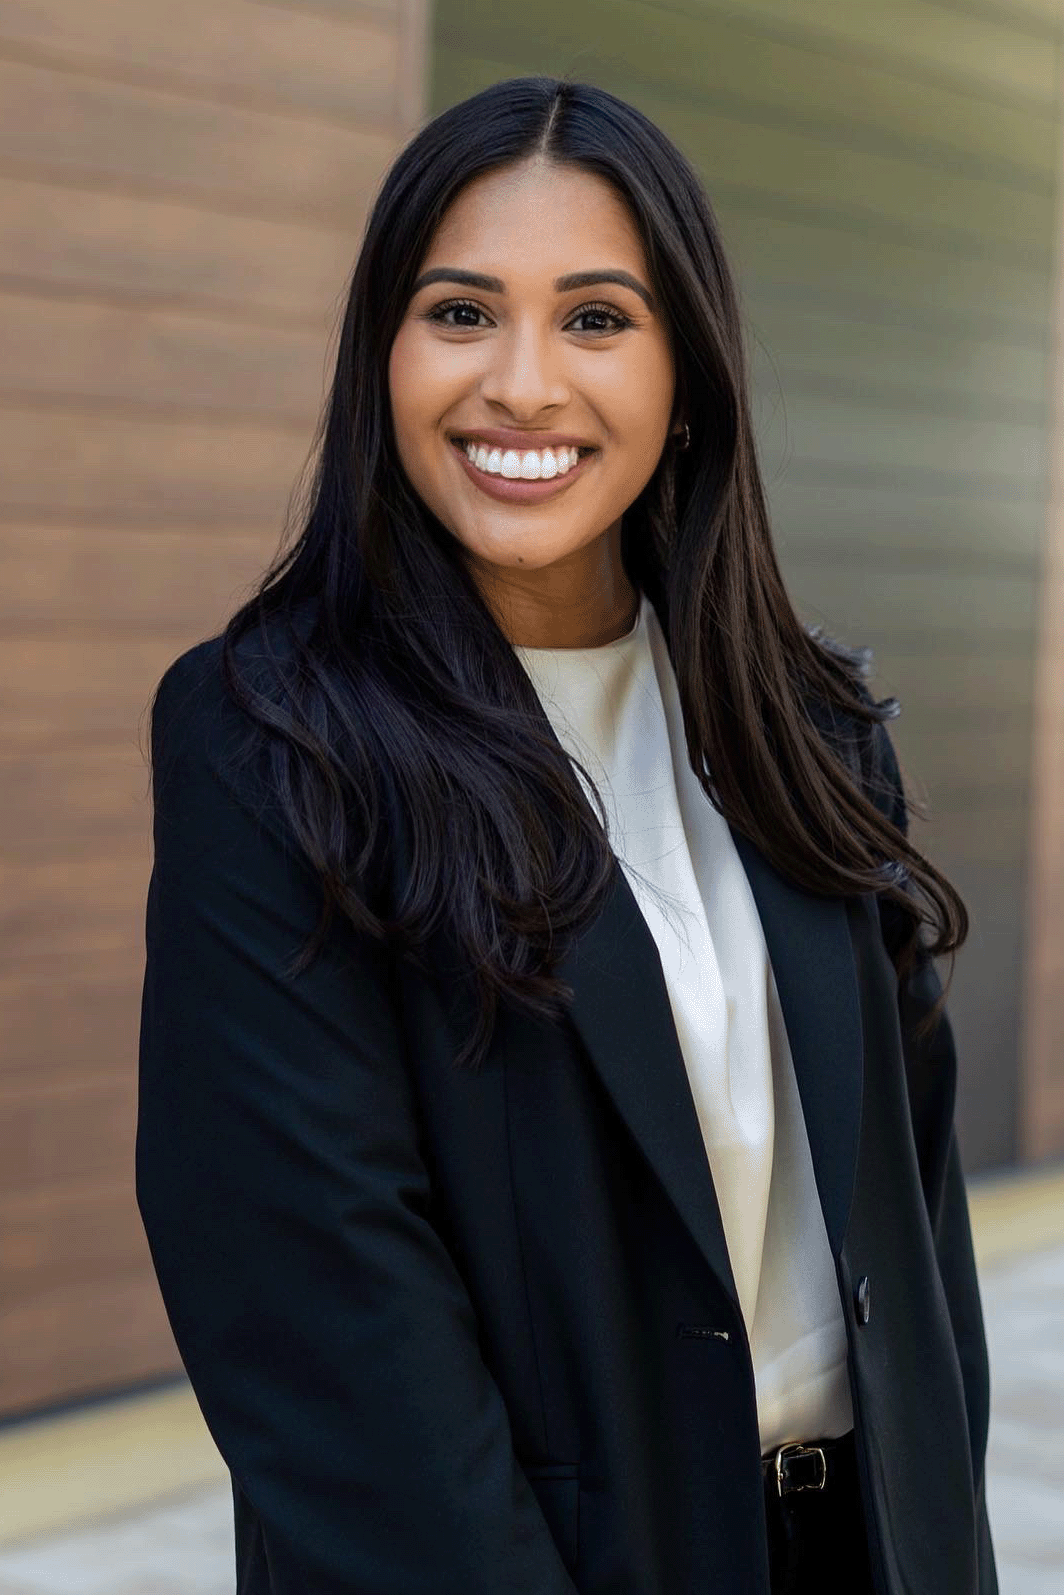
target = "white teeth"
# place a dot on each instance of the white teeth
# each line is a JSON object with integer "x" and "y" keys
{"x": 531, "y": 466}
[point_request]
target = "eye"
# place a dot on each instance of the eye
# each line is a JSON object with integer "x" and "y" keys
{"x": 617, "y": 317}
{"x": 616, "y": 320}
{"x": 453, "y": 304}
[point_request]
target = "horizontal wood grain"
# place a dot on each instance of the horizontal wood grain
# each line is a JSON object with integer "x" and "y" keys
{"x": 340, "y": 67}
{"x": 82, "y": 1339}
{"x": 124, "y": 137}
{"x": 72, "y": 801}
{"x": 126, "y": 467}
{"x": 70, "y": 690}
{"x": 354, "y": 9}
{"x": 122, "y": 581}
{"x": 56, "y": 906}
{"x": 182, "y": 190}
{"x": 59, "y": 1236}
{"x": 62, "y": 1134}
{"x": 144, "y": 249}
{"x": 57, "y": 1022}
{"x": 176, "y": 364}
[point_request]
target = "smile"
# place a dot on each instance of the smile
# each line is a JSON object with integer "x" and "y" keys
{"x": 521, "y": 477}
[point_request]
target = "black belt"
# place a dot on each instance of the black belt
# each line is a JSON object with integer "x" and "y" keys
{"x": 807, "y": 1465}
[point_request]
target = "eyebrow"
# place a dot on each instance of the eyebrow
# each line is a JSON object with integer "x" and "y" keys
{"x": 573, "y": 279}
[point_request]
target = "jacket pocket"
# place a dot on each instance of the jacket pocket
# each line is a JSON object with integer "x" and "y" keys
{"x": 557, "y": 1488}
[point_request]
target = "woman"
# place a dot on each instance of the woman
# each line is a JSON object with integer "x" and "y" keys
{"x": 546, "y": 1119}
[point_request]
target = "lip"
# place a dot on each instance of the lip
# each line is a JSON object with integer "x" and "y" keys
{"x": 512, "y": 437}
{"x": 515, "y": 490}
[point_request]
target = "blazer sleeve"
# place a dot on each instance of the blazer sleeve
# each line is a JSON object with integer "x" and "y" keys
{"x": 931, "y": 1070}
{"x": 325, "y": 1329}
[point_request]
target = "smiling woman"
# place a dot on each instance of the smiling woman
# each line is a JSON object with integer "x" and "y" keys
{"x": 506, "y": 369}
{"x": 580, "y": 1211}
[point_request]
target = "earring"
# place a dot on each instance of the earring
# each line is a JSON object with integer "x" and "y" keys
{"x": 686, "y": 444}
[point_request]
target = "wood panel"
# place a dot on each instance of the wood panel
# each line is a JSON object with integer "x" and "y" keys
{"x": 79, "y": 1340}
{"x": 74, "y": 690}
{"x": 62, "y": 802}
{"x": 98, "y": 1018}
{"x": 342, "y": 68}
{"x": 182, "y": 192}
{"x": 114, "y": 135}
{"x": 60, "y": 1235}
{"x": 126, "y": 468}
{"x": 65, "y": 1133}
{"x": 136, "y": 250}
{"x": 169, "y": 363}
{"x": 94, "y": 578}
{"x": 886, "y": 180}
{"x": 52, "y": 909}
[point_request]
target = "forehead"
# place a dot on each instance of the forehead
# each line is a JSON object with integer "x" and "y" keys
{"x": 537, "y": 220}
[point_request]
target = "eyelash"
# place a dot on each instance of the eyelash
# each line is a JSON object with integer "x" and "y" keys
{"x": 621, "y": 321}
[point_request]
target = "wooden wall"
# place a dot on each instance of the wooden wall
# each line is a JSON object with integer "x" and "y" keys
{"x": 183, "y": 185}
{"x": 886, "y": 178}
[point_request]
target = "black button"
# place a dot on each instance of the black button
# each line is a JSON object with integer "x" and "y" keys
{"x": 863, "y": 1297}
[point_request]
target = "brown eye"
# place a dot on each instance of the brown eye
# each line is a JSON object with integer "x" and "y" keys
{"x": 616, "y": 317}
{"x": 441, "y": 311}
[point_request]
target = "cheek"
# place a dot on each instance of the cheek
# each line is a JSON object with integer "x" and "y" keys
{"x": 640, "y": 400}
{"x": 422, "y": 380}
{"x": 405, "y": 386}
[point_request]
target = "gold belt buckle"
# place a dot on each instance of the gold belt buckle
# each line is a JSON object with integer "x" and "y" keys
{"x": 797, "y": 1449}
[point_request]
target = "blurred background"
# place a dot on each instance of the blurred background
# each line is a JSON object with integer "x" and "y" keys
{"x": 183, "y": 185}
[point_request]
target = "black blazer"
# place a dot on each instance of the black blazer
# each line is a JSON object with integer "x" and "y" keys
{"x": 477, "y": 1334}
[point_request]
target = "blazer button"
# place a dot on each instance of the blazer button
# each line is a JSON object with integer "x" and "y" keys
{"x": 863, "y": 1298}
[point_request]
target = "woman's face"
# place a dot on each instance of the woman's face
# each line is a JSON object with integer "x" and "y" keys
{"x": 519, "y": 360}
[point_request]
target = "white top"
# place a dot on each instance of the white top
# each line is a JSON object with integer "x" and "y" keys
{"x": 617, "y": 708}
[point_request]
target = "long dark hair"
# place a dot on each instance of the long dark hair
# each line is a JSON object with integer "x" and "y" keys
{"x": 403, "y": 697}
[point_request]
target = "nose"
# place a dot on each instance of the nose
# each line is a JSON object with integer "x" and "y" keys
{"x": 525, "y": 372}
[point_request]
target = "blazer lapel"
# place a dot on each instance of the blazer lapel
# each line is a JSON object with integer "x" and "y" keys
{"x": 808, "y": 940}
{"x": 621, "y": 1010}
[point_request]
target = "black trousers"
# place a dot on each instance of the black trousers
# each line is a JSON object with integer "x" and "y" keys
{"x": 816, "y": 1538}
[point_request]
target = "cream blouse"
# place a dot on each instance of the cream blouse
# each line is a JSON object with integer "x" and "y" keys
{"x": 617, "y": 708}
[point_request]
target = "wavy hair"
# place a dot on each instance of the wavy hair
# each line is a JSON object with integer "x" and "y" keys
{"x": 404, "y": 702}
